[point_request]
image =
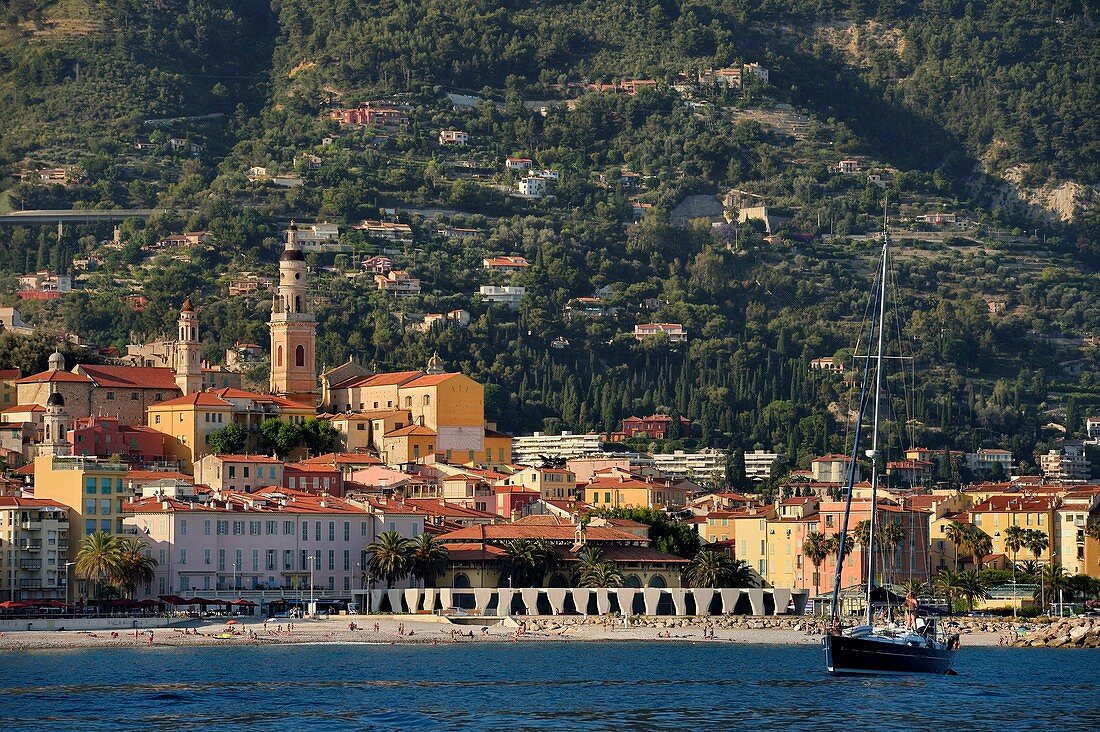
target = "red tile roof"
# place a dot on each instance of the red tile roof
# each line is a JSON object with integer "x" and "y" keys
{"x": 24, "y": 408}
{"x": 395, "y": 378}
{"x": 198, "y": 399}
{"x": 131, "y": 377}
{"x": 429, "y": 380}
{"x": 247, "y": 458}
{"x": 413, "y": 430}
{"x": 1016, "y": 504}
{"x": 54, "y": 376}
{"x": 20, "y": 502}
{"x": 343, "y": 458}
{"x": 507, "y": 532}
{"x": 10, "y": 374}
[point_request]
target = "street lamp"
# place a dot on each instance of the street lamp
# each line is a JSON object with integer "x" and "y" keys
{"x": 312, "y": 561}
{"x": 68, "y": 585}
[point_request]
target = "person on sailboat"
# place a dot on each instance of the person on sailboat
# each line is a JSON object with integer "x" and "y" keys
{"x": 910, "y": 611}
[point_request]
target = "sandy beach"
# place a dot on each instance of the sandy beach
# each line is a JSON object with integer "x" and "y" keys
{"x": 411, "y": 630}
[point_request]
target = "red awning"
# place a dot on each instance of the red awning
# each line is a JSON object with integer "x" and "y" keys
{"x": 241, "y": 602}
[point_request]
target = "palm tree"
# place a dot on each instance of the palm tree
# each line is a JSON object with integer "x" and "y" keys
{"x": 978, "y": 543}
{"x": 1015, "y": 537}
{"x": 587, "y": 559}
{"x": 914, "y": 587}
{"x": 1036, "y": 541}
{"x": 1093, "y": 530}
{"x": 815, "y": 549}
{"x": 519, "y": 562}
{"x": 389, "y": 557}
{"x": 546, "y": 561}
{"x": 947, "y": 582}
{"x": 1031, "y": 569}
{"x": 708, "y": 569}
{"x": 602, "y": 574}
{"x": 956, "y": 534}
{"x": 428, "y": 558}
{"x": 741, "y": 575}
{"x": 97, "y": 559}
{"x": 1053, "y": 579}
{"x": 134, "y": 566}
{"x": 862, "y": 534}
{"x": 892, "y": 535}
{"x": 972, "y": 586}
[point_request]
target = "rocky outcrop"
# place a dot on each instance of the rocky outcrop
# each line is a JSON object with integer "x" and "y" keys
{"x": 1064, "y": 633}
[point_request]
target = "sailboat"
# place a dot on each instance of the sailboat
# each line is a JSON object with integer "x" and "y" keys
{"x": 919, "y": 647}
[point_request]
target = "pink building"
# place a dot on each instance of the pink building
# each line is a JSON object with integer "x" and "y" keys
{"x": 104, "y": 436}
{"x": 314, "y": 478}
{"x": 907, "y": 560}
{"x": 273, "y": 539}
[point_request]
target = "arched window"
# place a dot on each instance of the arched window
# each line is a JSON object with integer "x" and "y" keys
{"x": 279, "y": 356}
{"x": 408, "y": 401}
{"x": 461, "y": 580}
{"x": 297, "y": 304}
{"x": 657, "y": 581}
{"x": 300, "y": 356}
{"x": 633, "y": 581}
{"x": 427, "y": 400}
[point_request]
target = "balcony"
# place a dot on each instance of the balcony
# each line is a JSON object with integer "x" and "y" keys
{"x": 34, "y": 584}
{"x": 30, "y": 565}
{"x": 63, "y": 547}
{"x": 28, "y": 545}
{"x": 31, "y": 525}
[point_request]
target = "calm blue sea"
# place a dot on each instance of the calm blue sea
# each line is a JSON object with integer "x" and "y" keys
{"x": 662, "y": 686}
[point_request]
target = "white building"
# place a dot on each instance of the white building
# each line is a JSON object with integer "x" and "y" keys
{"x": 532, "y": 187}
{"x": 453, "y": 137}
{"x": 1067, "y": 464}
{"x": 760, "y": 465}
{"x": 982, "y": 461}
{"x": 706, "y": 464}
{"x": 832, "y": 469}
{"x": 529, "y": 449}
{"x": 1092, "y": 427}
{"x": 508, "y": 295}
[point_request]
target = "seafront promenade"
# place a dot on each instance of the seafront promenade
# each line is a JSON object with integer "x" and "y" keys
{"x": 431, "y": 631}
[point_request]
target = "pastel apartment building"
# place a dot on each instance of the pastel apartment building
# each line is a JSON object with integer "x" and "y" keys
{"x": 241, "y": 473}
{"x": 398, "y": 283}
{"x": 505, "y": 264}
{"x": 273, "y": 539}
{"x": 510, "y": 295}
{"x": 675, "y": 331}
{"x": 453, "y": 137}
{"x": 371, "y": 115}
{"x": 34, "y": 546}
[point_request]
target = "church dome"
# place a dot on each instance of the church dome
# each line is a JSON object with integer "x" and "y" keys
{"x": 292, "y": 255}
{"x": 187, "y": 306}
{"x": 55, "y": 400}
{"x": 57, "y": 361}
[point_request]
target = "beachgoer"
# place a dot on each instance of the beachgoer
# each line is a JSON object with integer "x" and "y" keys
{"x": 910, "y": 611}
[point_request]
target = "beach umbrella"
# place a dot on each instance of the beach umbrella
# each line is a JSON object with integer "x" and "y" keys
{"x": 230, "y": 622}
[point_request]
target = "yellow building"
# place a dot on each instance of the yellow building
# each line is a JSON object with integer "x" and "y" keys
{"x": 1071, "y": 519}
{"x": 293, "y": 327}
{"x": 189, "y": 421}
{"x": 628, "y": 492}
{"x": 365, "y": 430}
{"x": 93, "y": 490}
{"x": 555, "y": 484}
{"x": 451, "y": 404}
{"x": 8, "y": 392}
{"x": 751, "y": 532}
{"x": 408, "y": 445}
{"x": 997, "y": 513}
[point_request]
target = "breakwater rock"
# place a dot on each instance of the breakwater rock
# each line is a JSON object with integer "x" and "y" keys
{"x": 1064, "y": 633}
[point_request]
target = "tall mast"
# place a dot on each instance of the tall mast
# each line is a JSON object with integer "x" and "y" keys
{"x": 873, "y": 453}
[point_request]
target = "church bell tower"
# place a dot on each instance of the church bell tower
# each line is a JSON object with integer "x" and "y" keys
{"x": 293, "y": 328}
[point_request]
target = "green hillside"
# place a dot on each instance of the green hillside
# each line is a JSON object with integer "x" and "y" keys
{"x": 981, "y": 111}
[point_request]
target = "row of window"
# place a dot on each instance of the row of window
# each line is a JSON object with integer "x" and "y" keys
{"x": 104, "y": 485}
{"x": 307, "y": 561}
{"x": 223, "y": 527}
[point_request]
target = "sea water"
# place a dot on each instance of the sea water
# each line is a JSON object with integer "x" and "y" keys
{"x": 561, "y": 686}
